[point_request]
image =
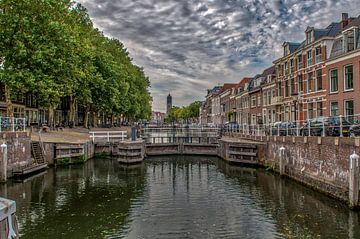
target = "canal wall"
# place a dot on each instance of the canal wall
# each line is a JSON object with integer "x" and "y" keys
{"x": 67, "y": 153}
{"x": 322, "y": 163}
{"x": 18, "y": 151}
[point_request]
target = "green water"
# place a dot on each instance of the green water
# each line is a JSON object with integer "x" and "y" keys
{"x": 174, "y": 197}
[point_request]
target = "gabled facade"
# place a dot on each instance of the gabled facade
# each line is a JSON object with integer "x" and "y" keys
{"x": 343, "y": 71}
{"x": 301, "y": 74}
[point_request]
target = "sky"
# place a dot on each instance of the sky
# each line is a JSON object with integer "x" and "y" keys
{"x": 189, "y": 46}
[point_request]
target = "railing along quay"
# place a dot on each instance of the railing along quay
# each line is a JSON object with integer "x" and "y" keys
{"x": 333, "y": 126}
{"x": 108, "y": 136}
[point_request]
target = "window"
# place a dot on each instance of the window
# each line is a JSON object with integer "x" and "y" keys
{"x": 292, "y": 67}
{"x": 286, "y": 51}
{"x": 265, "y": 99}
{"x": 309, "y": 37}
{"x": 319, "y": 109}
{"x": 269, "y": 97}
{"x": 311, "y": 82}
{"x": 310, "y": 110}
{"x": 286, "y": 88}
{"x": 334, "y": 80}
{"x": 279, "y": 89}
{"x": 286, "y": 68}
{"x": 317, "y": 54}
{"x": 300, "y": 79}
{"x": 258, "y": 100}
{"x": 350, "y": 41}
{"x": 299, "y": 61}
{"x": 349, "y": 77}
{"x": 292, "y": 85}
{"x": 349, "y": 110}
{"x": 334, "y": 108}
{"x": 253, "y": 101}
{"x": 319, "y": 80}
{"x": 309, "y": 58}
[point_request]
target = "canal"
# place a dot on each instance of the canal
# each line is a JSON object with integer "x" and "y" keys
{"x": 174, "y": 197}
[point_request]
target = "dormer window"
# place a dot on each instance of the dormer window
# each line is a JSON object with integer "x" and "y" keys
{"x": 349, "y": 41}
{"x": 286, "y": 49}
{"x": 309, "y": 38}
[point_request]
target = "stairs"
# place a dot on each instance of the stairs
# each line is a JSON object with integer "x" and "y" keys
{"x": 37, "y": 152}
{"x": 38, "y": 164}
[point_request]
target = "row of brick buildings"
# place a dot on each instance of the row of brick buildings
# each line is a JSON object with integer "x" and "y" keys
{"x": 317, "y": 77}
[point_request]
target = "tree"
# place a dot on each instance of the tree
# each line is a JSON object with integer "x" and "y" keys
{"x": 49, "y": 48}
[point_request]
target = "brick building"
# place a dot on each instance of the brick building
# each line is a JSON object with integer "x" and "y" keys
{"x": 319, "y": 76}
{"x": 343, "y": 71}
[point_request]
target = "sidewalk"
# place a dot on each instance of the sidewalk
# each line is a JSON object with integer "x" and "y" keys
{"x": 75, "y": 135}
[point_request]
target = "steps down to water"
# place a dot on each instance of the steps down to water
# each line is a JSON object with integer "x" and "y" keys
{"x": 37, "y": 152}
{"x": 37, "y": 165}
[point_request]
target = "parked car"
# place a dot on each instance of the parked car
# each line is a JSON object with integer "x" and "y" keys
{"x": 275, "y": 128}
{"x": 331, "y": 125}
{"x": 231, "y": 126}
{"x": 355, "y": 129}
{"x": 283, "y": 128}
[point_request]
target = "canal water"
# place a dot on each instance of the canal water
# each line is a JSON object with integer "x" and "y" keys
{"x": 174, "y": 197}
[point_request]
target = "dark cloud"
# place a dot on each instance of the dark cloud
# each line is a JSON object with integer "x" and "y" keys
{"x": 188, "y": 46}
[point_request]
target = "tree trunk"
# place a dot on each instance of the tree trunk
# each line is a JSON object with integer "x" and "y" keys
{"x": 51, "y": 117}
{"x": 95, "y": 118}
{"x": 86, "y": 117}
{"x": 9, "y": 105}
{"x": 72, "y": 113}
{"x": 112, "y": 119}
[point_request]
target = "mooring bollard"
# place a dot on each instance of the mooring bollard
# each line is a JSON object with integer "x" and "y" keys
{"x": 3, "y": 163}
{"x": 282, "y": 161}
{"x": 354, "y": 171}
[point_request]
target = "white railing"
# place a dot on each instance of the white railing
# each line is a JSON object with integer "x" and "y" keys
{"x": 108, "y": 135}
{"x": 337, "y": 126}
{"x": 12, "y": 124}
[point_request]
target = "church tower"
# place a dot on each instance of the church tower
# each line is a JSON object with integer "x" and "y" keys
{"x": 168, "y": 104}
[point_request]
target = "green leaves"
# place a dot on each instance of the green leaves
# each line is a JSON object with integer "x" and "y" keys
{"x": 51, "y": 49}
{"x": 188, "y": 112}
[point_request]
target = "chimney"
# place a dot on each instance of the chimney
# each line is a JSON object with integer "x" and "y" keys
{"x": 344, "y": 20}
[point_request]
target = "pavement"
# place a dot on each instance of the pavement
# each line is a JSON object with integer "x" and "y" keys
{"x": 75, "y": 135}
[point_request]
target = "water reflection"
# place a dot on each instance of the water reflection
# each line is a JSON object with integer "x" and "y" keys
{"x": 174, "y": 197}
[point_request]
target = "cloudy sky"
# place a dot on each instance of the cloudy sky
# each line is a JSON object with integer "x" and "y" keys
{"x": 188, "y": 46}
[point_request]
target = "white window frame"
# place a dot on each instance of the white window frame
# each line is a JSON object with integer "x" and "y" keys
{"x": 344, "y": 74}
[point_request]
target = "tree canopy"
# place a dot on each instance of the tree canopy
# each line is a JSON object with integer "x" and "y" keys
{"x": 186, "y": 113}
{"x": 49, "y": 48}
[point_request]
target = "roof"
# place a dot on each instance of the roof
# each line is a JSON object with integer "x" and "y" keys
{"x": 243, "y": 81}
{"x": 269, "y": 71}
{"x": 214, "y": 90}
{"x": 330, "y": 31}
{"x": 353, "y": 22}
{"x": 293, "y": 46}
{"x": 226, "y": 86}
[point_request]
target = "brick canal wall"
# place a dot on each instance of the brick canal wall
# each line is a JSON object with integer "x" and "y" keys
{"x": 19, "y": 149}
{"x": 319, "y": 162}
{"x": 322, "y": 163}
